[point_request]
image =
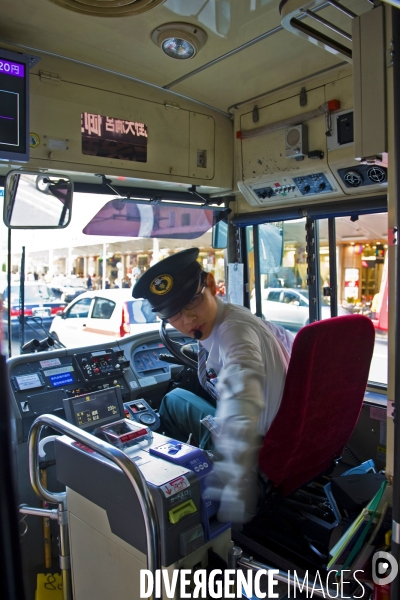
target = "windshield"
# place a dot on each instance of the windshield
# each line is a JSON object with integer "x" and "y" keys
{"x": 68, "y": 258}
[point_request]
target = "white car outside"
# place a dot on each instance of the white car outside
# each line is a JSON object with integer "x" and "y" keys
{"x": 102, "y": 316}
{"x": 288, "y": 307}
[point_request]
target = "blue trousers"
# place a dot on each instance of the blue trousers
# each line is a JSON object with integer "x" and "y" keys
{"x": 180, "y": 413}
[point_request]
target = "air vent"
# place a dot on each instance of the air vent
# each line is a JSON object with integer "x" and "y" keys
{"x": 376, "y": 174}
{"x": 109, "y": 8}
{"x": 353, "y": 179}
{"x": 363, "y": 175}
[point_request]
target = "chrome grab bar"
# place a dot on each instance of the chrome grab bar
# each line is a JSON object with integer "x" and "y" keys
{"x": 118, "y": 457}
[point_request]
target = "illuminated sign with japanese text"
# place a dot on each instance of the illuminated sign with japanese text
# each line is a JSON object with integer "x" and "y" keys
{"x": 14, "y": 112}
{"x": 108, "y": 137}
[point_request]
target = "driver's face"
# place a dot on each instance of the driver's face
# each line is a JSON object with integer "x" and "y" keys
{"x": 203, "y": 316}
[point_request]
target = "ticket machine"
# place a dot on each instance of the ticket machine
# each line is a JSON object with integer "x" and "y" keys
{"x": 107, "y": 529}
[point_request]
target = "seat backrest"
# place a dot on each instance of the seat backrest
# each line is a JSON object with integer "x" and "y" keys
{"x": 322, "y": 399}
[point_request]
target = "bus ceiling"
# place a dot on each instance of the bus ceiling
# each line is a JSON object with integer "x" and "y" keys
{"x": 298, "y": 139}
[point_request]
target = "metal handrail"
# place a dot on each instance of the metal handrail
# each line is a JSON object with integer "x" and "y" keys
{"x": 115, "y": 455}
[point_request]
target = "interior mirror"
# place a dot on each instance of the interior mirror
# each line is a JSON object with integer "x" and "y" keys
{"x": 270, "y": 247}
{"x": 37, "y": 200}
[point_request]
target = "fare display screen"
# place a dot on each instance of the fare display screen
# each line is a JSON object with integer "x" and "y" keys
{"x": 96, "y": 408}
{"x": 60, "y": 376}
{"x": 62, "y": 379}
{"x": 14, "y": 126}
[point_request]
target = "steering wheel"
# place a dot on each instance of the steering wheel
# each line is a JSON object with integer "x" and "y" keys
{"x": 184, "y": 353}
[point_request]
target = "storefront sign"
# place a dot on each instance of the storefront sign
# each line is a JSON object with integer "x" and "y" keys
{"x": 351, "y": 283}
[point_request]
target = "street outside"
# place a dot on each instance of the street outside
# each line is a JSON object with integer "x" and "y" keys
{"x": 379, "y": 363}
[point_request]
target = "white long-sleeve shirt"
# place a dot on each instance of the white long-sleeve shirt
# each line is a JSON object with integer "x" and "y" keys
{"x": 250, "y": 358}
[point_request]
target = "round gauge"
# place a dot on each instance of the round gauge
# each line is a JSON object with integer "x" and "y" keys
{"x": 147, "y": 419}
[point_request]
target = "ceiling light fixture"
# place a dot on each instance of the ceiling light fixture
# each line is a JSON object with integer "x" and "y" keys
{"x": 179, "y": 40}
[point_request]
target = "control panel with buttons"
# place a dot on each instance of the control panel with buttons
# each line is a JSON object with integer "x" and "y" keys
{"x": 276, "y": 190}
{"x": 287, "y": 188}
{"x": 95, "y": 366}
{"x": 313, "y": 184}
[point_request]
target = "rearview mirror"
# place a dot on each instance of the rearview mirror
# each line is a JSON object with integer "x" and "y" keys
{"x": 37, "y": 200}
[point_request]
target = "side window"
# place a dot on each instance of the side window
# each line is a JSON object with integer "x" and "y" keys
{"x": 302, "y": 301}
{"x": 142, "y": 312}
{"x": 80, "y": 310}
{"x": 103, "y": 309}
{"x": 290, "y": 298}
{"x": 274, "y": 296}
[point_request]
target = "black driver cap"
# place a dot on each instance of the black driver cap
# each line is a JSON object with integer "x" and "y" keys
{"x": 171, "y": 283}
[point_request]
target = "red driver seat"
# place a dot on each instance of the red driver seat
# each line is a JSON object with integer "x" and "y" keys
{"x": 322, "y": 399}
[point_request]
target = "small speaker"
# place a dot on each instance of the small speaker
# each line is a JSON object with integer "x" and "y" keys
{"x": 296, "y": 141}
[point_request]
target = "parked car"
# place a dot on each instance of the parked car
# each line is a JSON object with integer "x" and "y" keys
{"x": 40, "y": 307}
{"x": 68, "y": 288}
{"x": 289, "y": 307}
{"x": 102, "y": 315}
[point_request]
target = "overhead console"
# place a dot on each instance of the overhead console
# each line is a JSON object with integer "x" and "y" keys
{"x": 159, "y": 137}
{"x": 302, "y": 148}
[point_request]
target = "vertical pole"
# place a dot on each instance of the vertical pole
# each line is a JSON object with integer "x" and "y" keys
{"x": 332, "y": 266}
{"x": 257, "y": 276}
{"x": 69, "y": 262}
{"x": 103, "y": 279}
{"x": 46, "y": 525}
{"x": 245, "y": 260}
{"x": 22, "y": 301}
{"x": 51, "y": 262}
{"x": 9, "y": 329}
{"x": 312, "y": 240}
{"x": 234, "y": 555}
{"x": 10, "y": 552}
{"x": 65, "y": 558}
{"x": 395, "y": 586}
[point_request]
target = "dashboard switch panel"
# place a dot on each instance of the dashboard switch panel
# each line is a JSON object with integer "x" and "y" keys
{"x": 96, "y": 366}
{"x": 313, "y": 184}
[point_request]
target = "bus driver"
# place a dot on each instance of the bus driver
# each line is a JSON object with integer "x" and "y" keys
{"x": 245, "y": 371}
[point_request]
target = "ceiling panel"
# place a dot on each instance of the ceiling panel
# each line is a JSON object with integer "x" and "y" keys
{"x": 124, "y": 45}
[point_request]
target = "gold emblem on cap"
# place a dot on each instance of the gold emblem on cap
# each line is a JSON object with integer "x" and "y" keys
{"x": 161, "y": 285}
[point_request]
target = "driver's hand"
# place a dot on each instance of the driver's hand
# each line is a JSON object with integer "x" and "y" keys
{"x": 234, "y": 480}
